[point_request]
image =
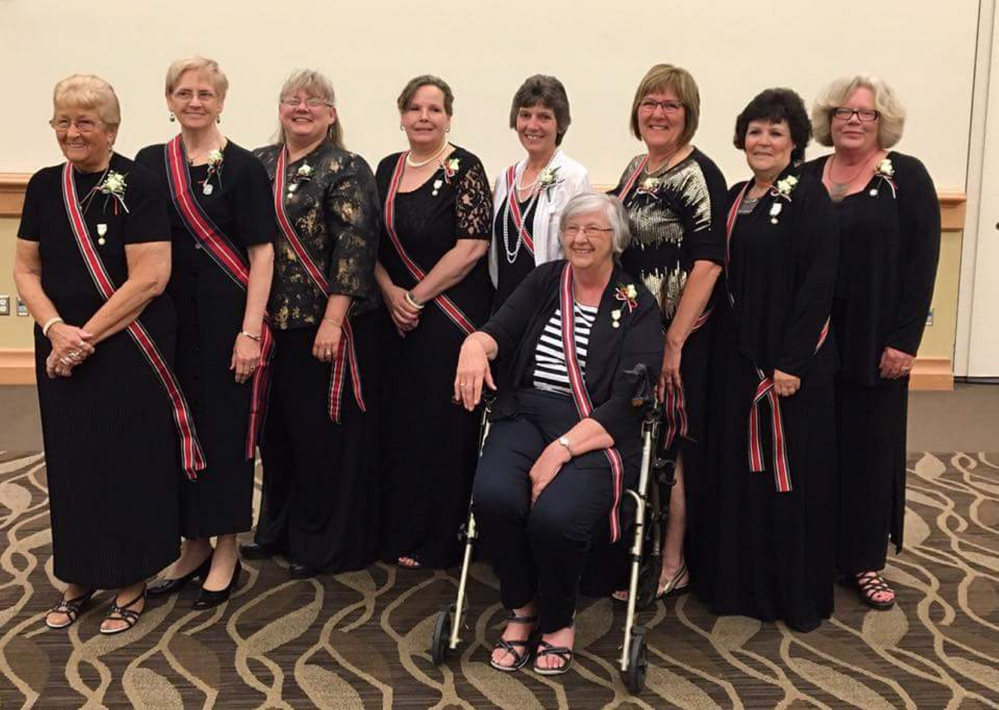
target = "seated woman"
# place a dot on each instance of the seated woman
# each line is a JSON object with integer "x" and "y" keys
{"x": 565, "y": 438}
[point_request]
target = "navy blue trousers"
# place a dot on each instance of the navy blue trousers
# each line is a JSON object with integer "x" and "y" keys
{"x": 540, "y": 552}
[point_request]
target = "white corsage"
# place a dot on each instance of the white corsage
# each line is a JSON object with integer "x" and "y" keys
{"x": 548, "y": 177}
{"x": 303, "y": 174}
{"x": 782, "y": 191}
{"x": 113, "y": 186}
{"x": 628, "y": 296}
{"x": 885, "y": 171}
{"x": 214, "y": 162}
{"x": 450, "y": 167}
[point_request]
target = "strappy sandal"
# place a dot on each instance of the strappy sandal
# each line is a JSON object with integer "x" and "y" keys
{"x": 520, "y": 657}
{"x": 416, "y": 562}
{"x": 671, "y": 590}
{"x": 70, "y": 607}
{"x": 546, "y": 649}
{"x": 124, "y": 613}
{"x": 870, "y": 583}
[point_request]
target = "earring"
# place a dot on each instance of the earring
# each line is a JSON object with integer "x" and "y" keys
{"x": 401, "y": 128}
{"x": 173, "y": 119}
{"x": 448, "y": 129}
{"x": 218, "y": 119}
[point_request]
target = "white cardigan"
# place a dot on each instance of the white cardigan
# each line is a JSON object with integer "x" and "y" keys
{"x": 572, "y": 180}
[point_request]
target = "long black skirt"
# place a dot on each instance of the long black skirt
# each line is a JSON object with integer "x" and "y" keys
{"x": 320, "y": 493}
{"x": 112, "y": 461}
{"x": 429, "y": 444}
{"x": 871, "y": 445}
{"x": 762, "y": 553}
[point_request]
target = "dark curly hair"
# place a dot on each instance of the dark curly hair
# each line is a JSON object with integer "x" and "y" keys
{"x": 776, "y": 105}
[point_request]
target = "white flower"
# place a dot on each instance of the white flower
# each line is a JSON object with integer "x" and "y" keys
{"x": 650, "y": 184}
{"x": 631, "y": 291}
{"x": 113, "y": 184}
{"x": 548, "y": 176}
{"x": 785, "y": 186}
{"x": 215, "y": 158}
{"x": 305, "y": 170}
{"x": 453, "y": 164}
{"x": 886, "y": 168}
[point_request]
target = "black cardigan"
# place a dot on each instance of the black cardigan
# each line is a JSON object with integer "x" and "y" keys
{"x": 518, "y": 324}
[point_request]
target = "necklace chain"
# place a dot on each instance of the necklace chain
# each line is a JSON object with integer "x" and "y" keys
{"x": 839, "y": 189}
{"x": 414, "y": 164}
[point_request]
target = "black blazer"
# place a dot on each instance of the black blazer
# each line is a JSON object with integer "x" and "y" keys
{"x": 518, "y": 324}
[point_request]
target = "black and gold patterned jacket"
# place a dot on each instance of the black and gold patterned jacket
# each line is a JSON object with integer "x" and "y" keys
{"x": 332, "y": 202}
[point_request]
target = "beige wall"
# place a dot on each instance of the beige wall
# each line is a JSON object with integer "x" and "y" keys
{"x": 14, "y": 332}
{"x": 938, "y": 339}
{"x": 926, "y": 49}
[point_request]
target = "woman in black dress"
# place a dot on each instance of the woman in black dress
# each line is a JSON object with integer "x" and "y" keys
{"x": 889, "y": 221}
{"x": 93, "y": 257}
{"x": 437, "y": 216}
{"x": 222, "y": 222}
{"x": 675, "y": 197}
{"x": 319, "y": 446}
{"x": 768, "y": 543}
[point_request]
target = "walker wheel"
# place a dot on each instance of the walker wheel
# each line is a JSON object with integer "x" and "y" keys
{"x": 638, "y": 660}
{"x": 442, "y": 635}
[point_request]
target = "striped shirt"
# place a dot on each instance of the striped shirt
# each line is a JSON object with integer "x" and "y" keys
{"x": 550, "y": 374}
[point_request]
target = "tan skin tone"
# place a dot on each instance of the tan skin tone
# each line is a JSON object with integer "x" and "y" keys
{"x": 591, "y": 254}
{"x": 537, "y": 130}
{"x": 426, "y": 122}
{"x": 661, "y": 122}
{"x": 148, "y": 274}
{"x": 196, "y": 104}
{"x": 857, "y": 153}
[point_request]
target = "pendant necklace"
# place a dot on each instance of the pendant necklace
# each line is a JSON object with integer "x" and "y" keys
{"x": 838, "y": 190}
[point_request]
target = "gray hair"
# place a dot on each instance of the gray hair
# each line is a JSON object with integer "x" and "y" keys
{"x": 612, "y": 208}
{"x": 91, "y": 93}
{"x": 886, "y": 103}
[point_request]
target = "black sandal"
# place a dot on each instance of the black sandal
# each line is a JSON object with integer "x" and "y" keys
{"x": 512, "y": 647}
{"x": 870, "y": 583}
{"x": 71, "y": 608}
{"x": 546, "y": 649}
{"x": 124, "y": 613}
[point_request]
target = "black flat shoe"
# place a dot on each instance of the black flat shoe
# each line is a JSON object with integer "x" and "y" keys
{"x": 169, "y": 586}
{"x": 207, "y": 599}
{"x": 299, "y": 571}
{"x": 256, "y": 551}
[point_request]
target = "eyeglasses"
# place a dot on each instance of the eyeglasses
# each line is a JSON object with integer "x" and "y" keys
{"x": 293, "y": 102}
{"x": 668, "y": 107}
{"x": 588, "y": 230}
{"x": 83, "y": 125}
{"x": 866, "y": 115}
{"x": 185, "y": 95}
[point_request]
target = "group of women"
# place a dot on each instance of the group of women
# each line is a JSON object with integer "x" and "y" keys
{"x": 333, "y": 316}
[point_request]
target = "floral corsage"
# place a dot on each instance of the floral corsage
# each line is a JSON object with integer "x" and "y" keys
{"x": 113, "y": 187}
{"x": 782, "y": 191}
{"x": 886, "y": 172}
{"x": 215, "y": 159}
{"x": 628, "y": 296}
{"x": 303, "y": 174}
{"x": 649, "y": 186}
{"x": 548, "y": 178}
{"x": 450, "y": 168}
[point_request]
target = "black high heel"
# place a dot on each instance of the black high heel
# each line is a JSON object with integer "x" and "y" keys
{"x": 208, "y": 599}
{"x": 169, "y": 586}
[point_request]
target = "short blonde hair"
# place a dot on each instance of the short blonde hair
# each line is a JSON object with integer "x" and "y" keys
{"x": 90, "y": 92}
{"x": 317, "y": 84}
{"x": 886, "y": 103}
{"x": 197, "y": 64}
{"x": 681, "y": 82}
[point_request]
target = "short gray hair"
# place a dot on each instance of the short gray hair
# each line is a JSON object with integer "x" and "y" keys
{"x": 886, "y": 103}
{"x": 612, "y": 208}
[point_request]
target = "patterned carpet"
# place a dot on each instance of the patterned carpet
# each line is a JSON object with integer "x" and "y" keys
{"x": 360, "y": 640}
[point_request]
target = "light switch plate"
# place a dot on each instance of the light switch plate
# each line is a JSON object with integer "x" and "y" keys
{"x": 4, "y": 305}
{"x": 22, "y": 308}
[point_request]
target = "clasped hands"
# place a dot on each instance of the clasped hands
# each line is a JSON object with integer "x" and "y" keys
{"x": 404, "y": 314}
{"x": 70, "y": 347}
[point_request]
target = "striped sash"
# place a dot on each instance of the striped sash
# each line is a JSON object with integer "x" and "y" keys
{"x": 765, "y": 389}
{"x": 629, "y": 184}
{"x": 193, "y": 458}
{"x": 581, "y": 397}
{"x": 449, "y": 307}
{"x": 214, "y": 243}
{"x": 346, "y": 356}
{"x": 518, "y": 218}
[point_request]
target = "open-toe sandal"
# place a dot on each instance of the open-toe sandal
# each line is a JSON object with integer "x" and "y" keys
{"x": 870, "y": 583}
{"x": 71, "y": 608}
{"x": 520, "y": 650}
{"x": 414, "y": 562}
{"x": 546, "y": 649}
{"x": 671, "y": 589}
{"x": 123, "y": 612}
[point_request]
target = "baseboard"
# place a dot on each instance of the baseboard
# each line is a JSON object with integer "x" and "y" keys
{"x": 17, "y": 366}
{"x": 932, "y": 373}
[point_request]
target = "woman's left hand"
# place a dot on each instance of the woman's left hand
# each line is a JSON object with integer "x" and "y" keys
{"x": 895, "y": 364}
{"x": 669, "y": 376}
{"x": 245, "y": 358}
{"x": 57, "y": 367}
{"x": 544, "y": 470}
{"x": 786, "y": 385}
{"x": 326, "y": 346}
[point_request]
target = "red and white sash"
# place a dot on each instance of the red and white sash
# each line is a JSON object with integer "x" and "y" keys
{"x": 629, "y": 184}
{"x": 193, "y": 458}
{"x": 214, "y": 243}
{"x": 765, "y": 389}
{"x": 346, "y": 356}
{"x": 579, "y": 394}
{"x": 449, "y": 307}
{"x": 518, "y": 218}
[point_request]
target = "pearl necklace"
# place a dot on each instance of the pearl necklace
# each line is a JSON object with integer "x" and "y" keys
{"x": 413, "y": 164}
{"x": 511, "y": 254}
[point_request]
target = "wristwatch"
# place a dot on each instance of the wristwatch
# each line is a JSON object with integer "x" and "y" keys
{"x": 564, "y": 441}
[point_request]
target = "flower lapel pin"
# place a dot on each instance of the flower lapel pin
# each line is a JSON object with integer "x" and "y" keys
{"x": 215, "y": 159}
{"x": 782, "y": 191}
{"x": 885, "y": 171}
{"x": 627, "y": 295}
